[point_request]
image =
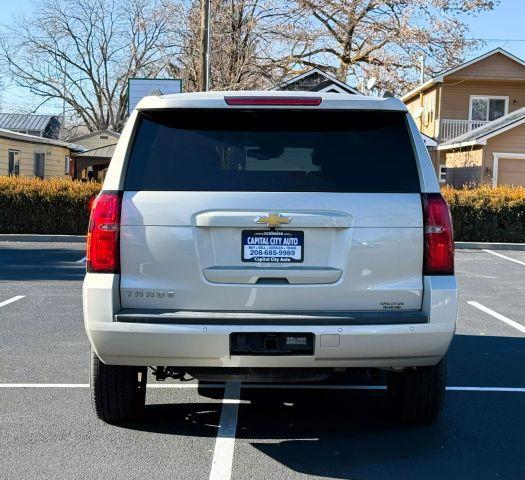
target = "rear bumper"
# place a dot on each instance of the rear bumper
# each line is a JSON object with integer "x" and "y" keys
{"x": 185, "y": 317}
{"x": 338, "y": 343}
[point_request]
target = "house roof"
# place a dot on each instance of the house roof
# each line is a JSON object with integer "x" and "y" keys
{"x": 93, "y": 134}
{"x": 23, "y": 137}
{"x": 101, "y": 152}
{"x": 316, "y": 71}
{"x": 23, "y": 121}
{"x": 429, "y": 141}
{"x": 479, "y": 136}
{"x": 440, "y": 76}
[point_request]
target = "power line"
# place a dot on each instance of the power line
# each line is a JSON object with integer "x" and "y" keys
{"x": 496, "y": 39}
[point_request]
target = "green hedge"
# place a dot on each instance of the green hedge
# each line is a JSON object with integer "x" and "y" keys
{"x": 486, "y": 214}
{"x": 29, "y": 205}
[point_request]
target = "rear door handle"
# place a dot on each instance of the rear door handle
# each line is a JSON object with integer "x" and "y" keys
{"x": 294, "y": 276}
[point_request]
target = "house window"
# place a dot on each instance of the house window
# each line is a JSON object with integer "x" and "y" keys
{"x": 66, "y": 165}
{"x": 442, "y": 174}
{"x": 13, "y": 163}
{"x": 485, "y": 108}
{"x": 39, "y": 160}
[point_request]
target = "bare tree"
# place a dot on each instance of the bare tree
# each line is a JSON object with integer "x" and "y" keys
{"x": 84, "y": 51}
{"x": 238, "y": 34}
{"x": 381, "y": 38}
{"x": 187, "y": 65}
{"x": 238, "y": 30}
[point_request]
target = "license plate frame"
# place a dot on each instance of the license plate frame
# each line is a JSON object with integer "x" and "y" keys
{"x": 273, "y": 234}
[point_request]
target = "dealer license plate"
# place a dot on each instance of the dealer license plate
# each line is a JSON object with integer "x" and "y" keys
{"x": 272, "y": 246}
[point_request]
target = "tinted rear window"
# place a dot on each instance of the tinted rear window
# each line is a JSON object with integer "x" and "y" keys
{"x": 272, "y": 151}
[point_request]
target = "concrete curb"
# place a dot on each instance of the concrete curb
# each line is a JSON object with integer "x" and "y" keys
{"x": 490, "y": 245}
{"x": 42, "y": 238}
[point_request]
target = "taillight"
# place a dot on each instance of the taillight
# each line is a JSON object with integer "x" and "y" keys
{"x": 439, "y": 237}
{"x": 284, "y": 101}
{"x": 103, "y": 251}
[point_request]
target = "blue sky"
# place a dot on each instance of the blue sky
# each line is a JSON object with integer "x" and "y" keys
{"x": 503, "y": 24}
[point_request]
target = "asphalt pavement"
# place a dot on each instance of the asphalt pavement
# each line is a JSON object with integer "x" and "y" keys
{"x": 48, "y": 430}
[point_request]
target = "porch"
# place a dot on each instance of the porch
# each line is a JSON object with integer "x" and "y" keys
{"x": 449, "y": 128}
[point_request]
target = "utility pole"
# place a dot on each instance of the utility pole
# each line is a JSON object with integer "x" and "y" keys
{"x": 63, "y": 125}
{"x": 205, "y": 45}
{"x": 422, "y": 70}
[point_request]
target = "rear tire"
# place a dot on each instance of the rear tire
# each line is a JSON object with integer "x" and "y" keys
{"x": 417, "y": 395}
{"x": 118, "y": 392}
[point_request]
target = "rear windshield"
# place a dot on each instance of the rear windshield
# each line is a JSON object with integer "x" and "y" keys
{"x": 272, "y": 151}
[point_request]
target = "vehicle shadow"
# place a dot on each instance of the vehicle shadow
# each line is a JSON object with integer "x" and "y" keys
{"x": 350, "y": 434}
{"x": 184, "y": 419}
{"x": 22, "y": 264}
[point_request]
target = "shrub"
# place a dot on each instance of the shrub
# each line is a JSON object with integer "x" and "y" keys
{"x": 486, "y": 214}
{"x": 29, "y": 205}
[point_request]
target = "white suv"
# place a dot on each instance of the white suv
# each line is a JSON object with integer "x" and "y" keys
{"x": 269, "y": 236}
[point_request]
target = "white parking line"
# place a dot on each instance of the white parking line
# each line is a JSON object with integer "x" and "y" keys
{"x": 11, "y": 300}
{"x": 86, "y": 385}
{"x": 505, "y": 257}
{"x": 44, "y": 385}
{"x": 273, "y": 386}
{"x": 486, "y": 389}
{"x": 499, "y": 316}
{"x": 221, "y": 465}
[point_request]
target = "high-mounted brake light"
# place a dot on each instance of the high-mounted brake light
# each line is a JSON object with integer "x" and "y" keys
{"x": 283, "y": 101}
{"x": 439, "y": 237}
{"x": 103, "y": 251}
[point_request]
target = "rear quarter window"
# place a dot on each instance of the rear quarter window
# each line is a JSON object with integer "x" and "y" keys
{"x": 272, "y": 150}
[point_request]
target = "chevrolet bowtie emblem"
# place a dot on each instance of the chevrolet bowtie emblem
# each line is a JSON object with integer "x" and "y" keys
{"x": 273, "y": 220}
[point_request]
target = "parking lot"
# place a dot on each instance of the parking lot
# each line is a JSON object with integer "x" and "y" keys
{"x": 338, "y": 430}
